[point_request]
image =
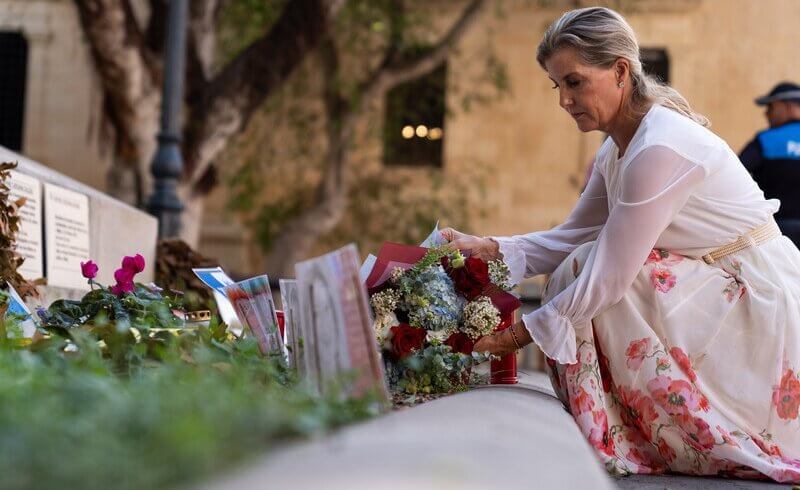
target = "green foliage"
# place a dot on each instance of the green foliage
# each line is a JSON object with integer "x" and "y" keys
{"x": 70, "y": 419}
{"x": 269, "y": 220}
{"x": 10, "y": 327}
{"x": 131, "y": 327}
{"x": 242, "y": 22}
{"x": 278, "y": 163}
{"x": 10, "y": 259}
{"x": 386, "y": 206}
{"x": 433, "y": 256}
{"x": 435, "y": 369}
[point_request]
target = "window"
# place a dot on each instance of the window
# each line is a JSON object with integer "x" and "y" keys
{"x": 414, "y": 121}
{"x": 13, "y": 75}
{"x": 655, "y": 62}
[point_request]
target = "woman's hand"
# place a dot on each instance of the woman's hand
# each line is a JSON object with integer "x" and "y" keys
{"x": 502, "y": 342}
{"x": 482, "y": 248}
{"x": 498, "y": 344}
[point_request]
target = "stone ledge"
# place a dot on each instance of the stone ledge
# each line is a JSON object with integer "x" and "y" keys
{"x": 116, "y": 228}
{"x": 493, "y": 437}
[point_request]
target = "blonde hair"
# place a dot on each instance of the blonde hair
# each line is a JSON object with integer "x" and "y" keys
{"x": 601, "y": 36}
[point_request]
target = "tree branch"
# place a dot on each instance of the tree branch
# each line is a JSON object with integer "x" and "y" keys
{"x": 393, "y": 74}
{"x": 331, "y": 197}
{"x": 156, "y": 32}
{"x": 396, "y": 21}
{"x": 126, "y": 68}
{"x": 230, "y": 99}
{"x": 202, "y": 39}
{"x": 331, "y": 194}
{"x": 333, "y": 183}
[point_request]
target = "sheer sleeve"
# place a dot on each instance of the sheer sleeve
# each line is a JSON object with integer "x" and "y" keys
{"x": 655, "y": 186}
{"x": 541, "y": 252}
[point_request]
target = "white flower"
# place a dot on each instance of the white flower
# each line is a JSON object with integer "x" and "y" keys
{"x": 480, "y": 318}
{"x": 397, "y": 273}
{"x": 382, "y": 326}
{"x": 439, "y": 335}
{"x": 385, "y": 302}
{"x": 499, "y": 274}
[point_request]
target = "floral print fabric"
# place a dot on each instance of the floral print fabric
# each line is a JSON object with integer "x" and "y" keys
{"x": 695, "y": 371}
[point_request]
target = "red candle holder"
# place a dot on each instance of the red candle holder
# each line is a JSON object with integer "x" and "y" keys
{"x": 281, "y": 321}
{"x": 504, "y": 370}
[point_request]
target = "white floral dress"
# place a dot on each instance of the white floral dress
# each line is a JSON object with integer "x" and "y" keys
{"x": 668, "y": 363}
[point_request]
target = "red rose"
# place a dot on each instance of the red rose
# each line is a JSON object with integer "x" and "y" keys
{"x": 471, "y": 279}
{"x": 405, "y": 339}
{"x": 460, "y": 342}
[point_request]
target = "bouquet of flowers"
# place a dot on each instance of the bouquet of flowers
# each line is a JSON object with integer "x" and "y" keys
{"x": 431, "y": 305}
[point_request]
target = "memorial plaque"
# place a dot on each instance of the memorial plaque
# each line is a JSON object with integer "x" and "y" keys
{"x": 336, "y": 322}
{"x": 66, "y": 226}
{"x": 29, "y": 238}
{"x": 291, "y": 323}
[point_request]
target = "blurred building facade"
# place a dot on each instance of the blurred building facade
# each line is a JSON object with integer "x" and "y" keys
{"x": 718, "y": 53}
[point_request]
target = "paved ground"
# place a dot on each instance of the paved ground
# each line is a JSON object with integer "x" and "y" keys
{"x": 675, "y": 482}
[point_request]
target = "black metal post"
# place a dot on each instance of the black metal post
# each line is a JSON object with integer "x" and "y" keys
{"x": 167, "y": 164}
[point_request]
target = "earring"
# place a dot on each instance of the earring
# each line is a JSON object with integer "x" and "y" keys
{"x": 621, "y": 84}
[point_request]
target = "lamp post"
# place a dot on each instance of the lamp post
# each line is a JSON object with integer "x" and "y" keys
{"x": 167, "y": 164}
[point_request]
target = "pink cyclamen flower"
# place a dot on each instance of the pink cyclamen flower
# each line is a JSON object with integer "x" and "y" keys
{"x": 135, "y": 263}
{"x": 89, "y": 269}
{"x": 123, "y": 275}
{"x": 121, "y": 288}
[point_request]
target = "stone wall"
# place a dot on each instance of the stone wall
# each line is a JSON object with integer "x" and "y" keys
{"x": 115, "y": 228}
{"x": 722, "y": 52}
{"x": 63, "y": 125}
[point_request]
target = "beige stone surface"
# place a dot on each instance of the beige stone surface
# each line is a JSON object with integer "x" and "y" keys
{"x": 504, "y": 437}
{"x": 115, "y": 228}
{"x": 63, "y": 123}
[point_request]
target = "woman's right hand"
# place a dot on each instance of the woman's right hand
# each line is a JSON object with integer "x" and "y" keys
{"x": 482, "y": 248}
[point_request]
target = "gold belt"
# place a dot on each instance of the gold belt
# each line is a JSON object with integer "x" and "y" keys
{"x": 763, "y": 233}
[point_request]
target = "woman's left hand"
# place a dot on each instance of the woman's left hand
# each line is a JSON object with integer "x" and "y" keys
{"x": 497, "y": 343}
{"x": 502, "y": 342}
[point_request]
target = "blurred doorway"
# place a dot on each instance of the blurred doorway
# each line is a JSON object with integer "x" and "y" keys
{"x": 13, "y": 78}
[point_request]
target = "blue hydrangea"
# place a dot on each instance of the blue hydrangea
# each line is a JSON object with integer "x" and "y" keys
{"x": 431, "y": 300}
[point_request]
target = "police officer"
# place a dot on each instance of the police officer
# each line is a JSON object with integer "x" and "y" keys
{"x": 773, "y": 156}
